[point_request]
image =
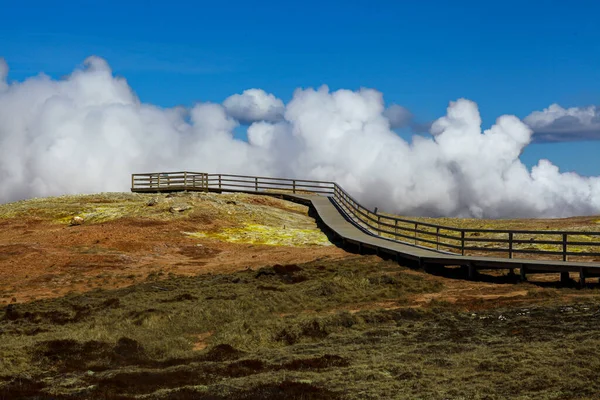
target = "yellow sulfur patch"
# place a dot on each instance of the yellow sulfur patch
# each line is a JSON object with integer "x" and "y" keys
{"x": 269, "y": 235}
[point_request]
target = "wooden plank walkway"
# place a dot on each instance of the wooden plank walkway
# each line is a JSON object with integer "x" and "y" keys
{"x": 343, "y": 223}
{"x": 349, "y": 232}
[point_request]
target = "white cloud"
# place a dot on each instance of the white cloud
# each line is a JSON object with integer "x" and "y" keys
{"x": 558, "y": 124}
{"x": 254, "y": 105}
{"x": 89, "y": 131}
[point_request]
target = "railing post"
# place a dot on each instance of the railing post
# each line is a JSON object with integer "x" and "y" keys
{"x": 294, "y": 186}
{"x": 185, "y": 180}
{"x": 256, "y": 184}
{"x": 158, "y": 180}
{"x": 219, "y": 181}
{"x": 462, "y": 242}
{"x": 132, "y": 180}
{"x": 437, "y": 238}
{"x": 564, "y": 247}
{"x": 510, "y": 244}
{"x": 416, "y": 226}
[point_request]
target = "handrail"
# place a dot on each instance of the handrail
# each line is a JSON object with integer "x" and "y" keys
{"x": 432, "y": 236}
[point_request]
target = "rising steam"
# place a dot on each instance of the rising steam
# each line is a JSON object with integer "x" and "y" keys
{"x": 89, "y": 131}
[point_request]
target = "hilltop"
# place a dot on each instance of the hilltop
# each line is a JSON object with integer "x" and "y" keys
{"x": 125, "y": 237}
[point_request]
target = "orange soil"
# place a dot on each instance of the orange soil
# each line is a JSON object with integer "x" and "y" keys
{"x": 39, "y": 259}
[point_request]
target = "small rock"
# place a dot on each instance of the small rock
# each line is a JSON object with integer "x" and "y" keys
{"x": 231, "y": 202}
{"x": 77, "y": 221}
{"x": 179, "y": 208}
{"x": 152, "y": 202}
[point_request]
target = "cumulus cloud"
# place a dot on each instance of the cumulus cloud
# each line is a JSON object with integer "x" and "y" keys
{"x": 254, "y": 105}
{"x": 558, "y": 124}
{"x": 398, "y": 116}
{"x": 88, "y": 131}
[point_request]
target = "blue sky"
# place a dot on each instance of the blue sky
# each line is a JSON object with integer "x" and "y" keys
{"x": 511, "y": 57}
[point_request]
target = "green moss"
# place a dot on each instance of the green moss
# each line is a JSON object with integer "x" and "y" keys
{"x": 93, "y": 208}
{"x": 227, "y": 209}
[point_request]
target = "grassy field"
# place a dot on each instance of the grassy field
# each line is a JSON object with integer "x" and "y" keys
{"x": 345, "y": 329}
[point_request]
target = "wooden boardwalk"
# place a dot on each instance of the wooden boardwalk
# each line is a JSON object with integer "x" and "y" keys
{"x": 330, "y": 215}
{"x": 341, "y": 219}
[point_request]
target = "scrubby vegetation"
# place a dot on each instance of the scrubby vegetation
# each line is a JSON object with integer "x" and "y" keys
{"x": 322, "y": 330}
{"x": 343, "y": 326}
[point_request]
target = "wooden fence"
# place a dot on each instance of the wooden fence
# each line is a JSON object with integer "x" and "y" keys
{"x": 562, "y": 245}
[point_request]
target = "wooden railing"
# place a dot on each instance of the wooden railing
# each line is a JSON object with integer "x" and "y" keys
{"x": 463, "y": 241}
{"x": 241, "y": 183}
{"x": 169, "y": 180}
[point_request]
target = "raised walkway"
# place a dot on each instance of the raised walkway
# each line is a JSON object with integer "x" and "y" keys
{"x": 330, "y": 215}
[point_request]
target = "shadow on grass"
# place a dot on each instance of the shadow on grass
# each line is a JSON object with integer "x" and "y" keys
{"x": 510, "y": 277}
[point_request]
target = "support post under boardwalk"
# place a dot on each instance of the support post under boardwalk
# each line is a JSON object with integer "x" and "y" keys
{"x": 426, "y": 266}
{"x": 472, "y": 271}
{"x": 564, "y": 278}
{"x": 581, "y": 277}
{"x": 523, "y": 273}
